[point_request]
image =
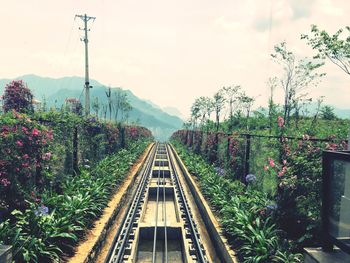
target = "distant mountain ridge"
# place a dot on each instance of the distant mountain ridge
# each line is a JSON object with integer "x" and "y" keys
{"x": 173, "y": 111}
{"x": 341, "y": 113}
{"x": 56, "y": 90}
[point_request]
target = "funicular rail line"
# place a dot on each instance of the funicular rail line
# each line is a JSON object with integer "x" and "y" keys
{"x": 158, "y": 225}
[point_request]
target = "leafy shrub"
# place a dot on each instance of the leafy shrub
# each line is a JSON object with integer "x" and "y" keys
{"x": 246, "y": 213}
{"x": 45, "y": 229}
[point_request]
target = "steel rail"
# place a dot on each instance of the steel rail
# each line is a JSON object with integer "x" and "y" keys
{"x": 117, "y": 249}
{"x": 154, "y": 251}
{"x": 164, "y": 219}
{"x": 200, "y": 253}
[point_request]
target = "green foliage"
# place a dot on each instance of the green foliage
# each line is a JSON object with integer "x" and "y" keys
{"x": 246, "y": 213}
{"x": 287, "y": 170}
{"x": 335, "y": 47}
{"x": 327, "y": 113}
{"x": 45, "y": 229}
{"x": 297, "y": 76}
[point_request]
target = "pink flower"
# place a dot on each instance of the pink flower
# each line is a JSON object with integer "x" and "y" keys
{"x": 266, "y": 167}
{"x": 47, "y": 156}
{"x": 49, "y": 135}
{"x": 280, "y": 121}
{"x": 271, "y": 162}
{"x": 19, "y": 143}
{"x": 5, "y": 182}
{"x": 26, "y": 156}
{"x": 282, "y": 172}
{"x": 284, "y": 162}
{"x": 35, "y": 132}
{"x": 25, "y": 164}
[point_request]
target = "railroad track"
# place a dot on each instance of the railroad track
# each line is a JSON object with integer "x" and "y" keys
{"x": 159, "y": 225}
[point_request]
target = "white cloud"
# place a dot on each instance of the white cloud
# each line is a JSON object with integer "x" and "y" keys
{"x": 328, "y": 7}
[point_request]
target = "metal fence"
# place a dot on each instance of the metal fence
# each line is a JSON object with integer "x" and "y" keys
{"x": 244, "y": 153}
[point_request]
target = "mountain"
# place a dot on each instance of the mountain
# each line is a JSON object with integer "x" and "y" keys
{"x": 56, "y": 90}
{"x": 340, "y": 113}
{"x": 173, "y": 111}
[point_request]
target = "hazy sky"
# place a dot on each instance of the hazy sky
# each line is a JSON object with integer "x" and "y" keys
{"x": 169, "y": 51}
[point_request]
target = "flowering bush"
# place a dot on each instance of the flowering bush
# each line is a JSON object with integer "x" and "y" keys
{"x": 272, "y": 171}
{"x": 280, "y": 121}
{"x": 299, "y": 188}
{"x": 246, "y": 213}
{"x": 17, "y": 97}
{"x": 54, "y": 222}
{"x": 23, "y": 156}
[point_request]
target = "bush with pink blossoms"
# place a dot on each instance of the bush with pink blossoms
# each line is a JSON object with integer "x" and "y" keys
{"x": 17, "y": 96}
{"x": 23, "y": 157}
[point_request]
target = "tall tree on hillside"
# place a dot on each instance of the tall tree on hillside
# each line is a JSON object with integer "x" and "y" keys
{"x": 125, "y": 108}
{"x": 298, "y": 102}
{"x": 318, "y": 108}
{"x": 219, "y": 104}
{"x": 208, "y": 107}
{"x": 117, "y": 102}
{"x": 200, "y": 108}
{"x": 44, "y": 104}
{"x": 96, "y": 106}
{"x": 104, "y": 111}
{"x": 109, "y": 100}
{"x": 195, "y": 113}
{"x": 272, "y": 83}
{"x": 247, "y": 103}
{"x": 121, "y": 105}
{"x": 17, "y": 96}
{"x": 232, "y": 93}
{"x": 297, "y": 75}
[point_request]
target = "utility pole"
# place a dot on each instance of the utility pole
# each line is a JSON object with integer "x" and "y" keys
{"x": 87, "y": 86}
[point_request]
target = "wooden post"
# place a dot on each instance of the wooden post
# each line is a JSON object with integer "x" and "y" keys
{"x": 228, "y": 150}
{"x": 75, "y": 150}
{"x": 247, "y": 156}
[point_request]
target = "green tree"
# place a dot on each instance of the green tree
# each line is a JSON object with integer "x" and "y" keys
{"x": 335, "y": 47}
{"x": 272, "y": 83}
{"x": 327, "y": 113}
{"x": 125, "y": 108}
{"x": 109, "y": 99}
{"x": 297, "y": 76}
{"x": 219, "y": 104}
{"x": 196, "y": 112}
{"x": 232, "y": 94}
{"x": 96, "y": 106}
{"x": 247, "y": 103}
